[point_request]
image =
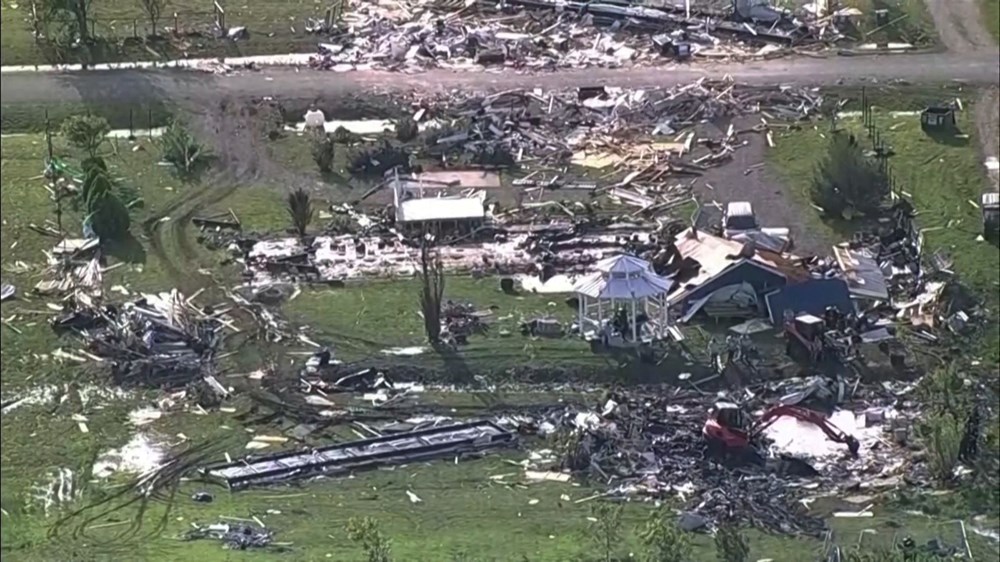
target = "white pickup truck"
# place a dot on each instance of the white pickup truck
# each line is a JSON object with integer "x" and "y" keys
{"x": 740, "y": 223}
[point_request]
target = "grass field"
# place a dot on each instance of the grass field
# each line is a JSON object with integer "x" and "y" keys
{"x": 942, "y": 175}
{"x": 121, "y": 25}
{"x": 991, "y": 16}
{"x": 910, "y": 22}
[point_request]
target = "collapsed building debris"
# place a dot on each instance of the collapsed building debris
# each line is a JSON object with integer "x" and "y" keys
{"x": 556, "y": 137}
{"x": 234, "y": 536}
{"x": 650, "y": 445}
{"x": 73, "y": 265}
{"x": 546, "y": 34}
{"x": 158, "y": 340}
{"x": 456, "y": 439}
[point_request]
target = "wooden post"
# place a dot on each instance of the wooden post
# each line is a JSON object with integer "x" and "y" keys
{"x": 36, "y": 29}
{"x": 48, "y": 134}
{"x": 131, "y": 122}
{"x": 177, "y": 27}
{"x": 220, "y": 16}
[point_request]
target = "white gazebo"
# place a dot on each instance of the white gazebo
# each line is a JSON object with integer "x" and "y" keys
{"x": 623, "y": 287}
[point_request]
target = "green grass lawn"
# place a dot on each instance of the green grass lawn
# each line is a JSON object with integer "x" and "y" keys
{"x": 121, "y": 25}
{"x": 991, "y": 16}
{"x": 942, "y": 175}
{"x": 910, "y": 22}
{"x": 365, "y": 319}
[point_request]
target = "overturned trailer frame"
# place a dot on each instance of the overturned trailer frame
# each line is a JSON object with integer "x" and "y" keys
{"x": 425, "y": 444}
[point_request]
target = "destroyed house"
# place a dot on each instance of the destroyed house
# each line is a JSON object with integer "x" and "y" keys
{"x": 441, "y": 201}
{"x": 725, "y": 278}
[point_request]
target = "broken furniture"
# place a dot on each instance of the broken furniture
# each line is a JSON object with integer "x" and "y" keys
{"x": 426, "y": 444}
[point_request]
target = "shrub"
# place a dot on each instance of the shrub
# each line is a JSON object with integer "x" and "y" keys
{"x": 86, "y": 132}
{"x": 847, "y": 180}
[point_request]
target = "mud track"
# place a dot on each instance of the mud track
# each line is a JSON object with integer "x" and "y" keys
{"x": 237, "y": 134}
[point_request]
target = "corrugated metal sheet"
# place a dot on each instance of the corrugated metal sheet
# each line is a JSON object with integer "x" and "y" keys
{"x": 864, "y": 277}
{"x": 425, "y": 444}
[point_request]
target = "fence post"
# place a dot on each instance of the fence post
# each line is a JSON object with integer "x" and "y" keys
{"x": 149, "y": 122}
{"x": 48, "y": 134}
{"x": 177, "y": 27}
{"x": 131, "y": 123}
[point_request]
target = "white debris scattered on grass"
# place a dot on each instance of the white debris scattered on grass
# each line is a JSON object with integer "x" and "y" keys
{"x": 50, "y": 394}
{"x": 140, "y": 455}
{"x": 987, "y": 533}
{"x": 59, "y": 489}
{"x": 144, "y": 415}
{"x": 36, "y": 396}
{"x": 557, "y": 284}
{"x": 405, "y": 351}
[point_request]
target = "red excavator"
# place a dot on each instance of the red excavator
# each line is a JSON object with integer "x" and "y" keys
{"x": 729, "y": 431}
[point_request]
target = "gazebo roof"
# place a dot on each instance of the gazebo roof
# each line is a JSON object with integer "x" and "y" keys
{"x": 622, "y": 277}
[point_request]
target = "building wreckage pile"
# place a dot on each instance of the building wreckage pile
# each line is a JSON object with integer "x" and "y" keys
{"x": 651, "y": 445}
{"x": 649, "y": 141}
{"x": 638, "y": 443}
{"x": 161, "y": 341}
{"x": 545, "y": 34}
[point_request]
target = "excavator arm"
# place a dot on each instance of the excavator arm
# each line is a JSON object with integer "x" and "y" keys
{"x": 833, "y": 432}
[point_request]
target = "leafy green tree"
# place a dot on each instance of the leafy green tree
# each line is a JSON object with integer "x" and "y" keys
{"x": 605, "y": 531}
{"x": 942, "y": 435}
{"x": 86, "y": 132}
{"x": 662, "y": 540}
{"x": 323, "y": 152}
{"x": 70, "y": 19}
{"x": 300, "y": 210}
{"x": 105, "y": 213}
{"x": 366, "y": 532}
{"x": 846, "y": 180}
{"x": 731, "y": 545}
{"x": 180, "y": 148}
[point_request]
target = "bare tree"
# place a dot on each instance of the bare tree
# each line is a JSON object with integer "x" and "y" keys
{"x": 432, "y": 290}
{"x": 154, "y": 9}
